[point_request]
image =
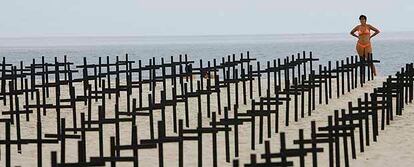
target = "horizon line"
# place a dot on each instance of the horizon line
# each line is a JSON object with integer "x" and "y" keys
{"x": 177, "y": 35}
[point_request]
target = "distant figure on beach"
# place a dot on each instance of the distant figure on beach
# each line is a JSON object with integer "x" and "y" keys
{"x": 205, "y": 73}
{"x": 363, "y": 46}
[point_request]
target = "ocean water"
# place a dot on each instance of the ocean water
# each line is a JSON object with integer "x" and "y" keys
{"x": 393, "y": 49}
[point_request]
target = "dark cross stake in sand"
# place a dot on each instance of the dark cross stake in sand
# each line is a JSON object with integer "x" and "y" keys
{"x": 342, "y": 126}
{"x": 103, "y": 81}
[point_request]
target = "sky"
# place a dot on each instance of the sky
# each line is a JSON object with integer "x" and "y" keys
{"x": 32, "y": 18}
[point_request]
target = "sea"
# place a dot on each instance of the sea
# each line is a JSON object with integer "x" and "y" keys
{"x": 392, "y": 49}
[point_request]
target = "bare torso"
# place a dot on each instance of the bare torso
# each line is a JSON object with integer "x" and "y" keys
{"x": 363, "y": 38}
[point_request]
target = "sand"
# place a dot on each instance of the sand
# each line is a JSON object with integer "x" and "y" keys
{"x": 391, "y": 145}
{"x": 394, "y": 147}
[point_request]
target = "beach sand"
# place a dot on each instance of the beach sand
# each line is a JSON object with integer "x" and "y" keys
{"x": 392, "y": 147}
